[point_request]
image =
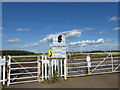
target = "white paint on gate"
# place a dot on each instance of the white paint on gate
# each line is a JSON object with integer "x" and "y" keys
{"x": 9, "y": 74}
{"x": 54, "y": 65}
{"x": 2, "y": 70}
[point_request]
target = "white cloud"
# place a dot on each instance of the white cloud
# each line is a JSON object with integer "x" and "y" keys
{"x": 75, "y": 33}
{"x": 117, "y": 28}
{"x": 31, "y": 45}
{"x": 102, "y": 32}
{"x": 13, "y": 40}
{"x": 88, "y": 42}
{"x": 114, "y": 19}
{"x": 21, "y": 29}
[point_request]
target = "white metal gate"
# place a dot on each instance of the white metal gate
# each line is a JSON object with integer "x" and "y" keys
{"x": 22, "y": 71}
{"x": 80, "y": 67}
{"x": 2, "y": 70}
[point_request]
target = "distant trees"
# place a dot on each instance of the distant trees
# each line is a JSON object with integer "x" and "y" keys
{"x": 16, "y": 52}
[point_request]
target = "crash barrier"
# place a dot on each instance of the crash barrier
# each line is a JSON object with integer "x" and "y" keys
{"x": 91, "y": 66}
{"x": 2, "y": 70}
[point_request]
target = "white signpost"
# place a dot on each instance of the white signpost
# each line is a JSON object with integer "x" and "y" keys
{"x": 59, "y": 47}
{"x": 59, "y": 50}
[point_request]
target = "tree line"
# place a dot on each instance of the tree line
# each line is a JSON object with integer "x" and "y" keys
{"x": 16, "y": 52}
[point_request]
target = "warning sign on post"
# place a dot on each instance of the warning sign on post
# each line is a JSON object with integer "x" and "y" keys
{"x": 50, "y": 53}
{"x": 59, "y": 47}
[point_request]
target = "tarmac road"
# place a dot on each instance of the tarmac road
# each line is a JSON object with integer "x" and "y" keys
{"x": 96, "y": 81}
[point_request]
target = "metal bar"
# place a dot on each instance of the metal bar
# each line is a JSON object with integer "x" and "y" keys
{"x": 24, "y": 78}
{"x": 23, "y": 68}
{"x": 23, "y": 73}
{"x": 24, "y": 82}
{"x": 24, "y": 62}
{"x": 116, "y": 67}
{"x": 23, "y": 56}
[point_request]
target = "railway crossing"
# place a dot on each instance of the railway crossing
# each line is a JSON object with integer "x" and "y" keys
{"x": 24, "y": 69}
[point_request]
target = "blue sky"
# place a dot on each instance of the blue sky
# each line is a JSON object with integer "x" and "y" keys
{"x": 25, "y": 24}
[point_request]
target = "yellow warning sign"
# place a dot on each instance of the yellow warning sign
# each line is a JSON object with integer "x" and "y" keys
{"x": 50, "y": 53}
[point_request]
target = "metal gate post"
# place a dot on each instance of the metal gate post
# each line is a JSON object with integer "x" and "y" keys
{"x": 4, "y": 70}
{"x": 65, "y": 68}
{"x": 39, "y": 68}
{"x": 42, "y": 69}
{"x": 112, "y": 61}
{"x": 0, "y": 73}
{"x": 8, "y": 70}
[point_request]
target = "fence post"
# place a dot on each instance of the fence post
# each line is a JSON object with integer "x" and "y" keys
{"x": 0, "y": 75}
{"x": 45, "y": 67}
{"x": 65, "y": 68}
{"x": 61, "y": 67}
{"x": 8, "y": 70}
{"x": 88, "y": 64}
{"x": 42, "y": 69}
{"x": 4, "y": 70}
{"x": 55, "y": 64}
{"x": 112, "y": 61}
{"x": 52, "y": 66}
{"x": 39, "y": 69}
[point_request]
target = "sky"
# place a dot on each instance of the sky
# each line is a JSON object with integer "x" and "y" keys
{"x": 87, "y": 25}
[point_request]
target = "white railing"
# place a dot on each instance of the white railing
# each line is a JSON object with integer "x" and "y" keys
{"x": 2, "y": 70}
{"x": 54, "y": 67}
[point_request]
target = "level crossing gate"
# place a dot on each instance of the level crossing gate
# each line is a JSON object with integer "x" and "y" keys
{"x": 22, "y": 69}
{"x": 83, "y": 67}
